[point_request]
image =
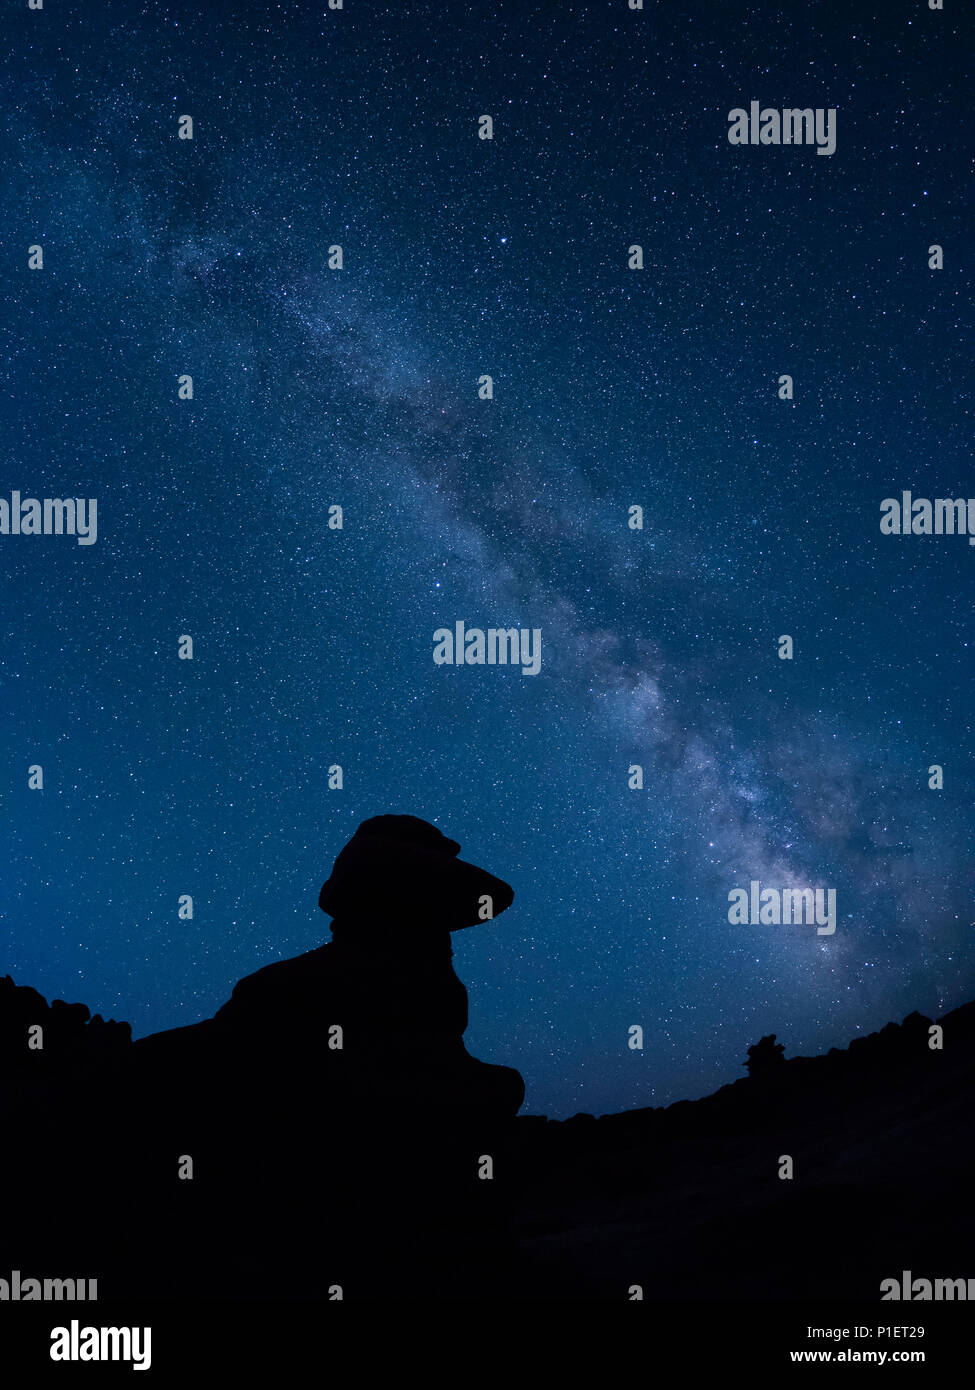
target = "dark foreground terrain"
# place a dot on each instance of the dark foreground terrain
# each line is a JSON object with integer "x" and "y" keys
{"x": 299, "y": 1186}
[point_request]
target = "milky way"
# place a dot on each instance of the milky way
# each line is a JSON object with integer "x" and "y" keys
{"x": 358, "y": 387}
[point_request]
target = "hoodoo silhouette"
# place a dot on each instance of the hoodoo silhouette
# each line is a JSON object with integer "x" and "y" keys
{"x": 340, "y": 1079}
{"x": 386, "y": 979}
{"x": 326, "y": 1128}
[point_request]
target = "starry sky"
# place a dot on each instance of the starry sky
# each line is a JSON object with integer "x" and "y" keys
{"x": 357, "y": 387}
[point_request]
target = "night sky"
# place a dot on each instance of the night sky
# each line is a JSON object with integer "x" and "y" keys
{"x": 315, "y": 387}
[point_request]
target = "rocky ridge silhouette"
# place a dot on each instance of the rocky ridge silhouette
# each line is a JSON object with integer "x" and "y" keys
{"x": 683, "y": 1201}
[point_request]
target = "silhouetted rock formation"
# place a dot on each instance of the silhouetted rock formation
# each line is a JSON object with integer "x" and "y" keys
{"x": 340, "y": 1079}
{"x": 764, "y": 1056}
{"x": 37, "y": 1038}
{"x": 336, "y": 1124}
